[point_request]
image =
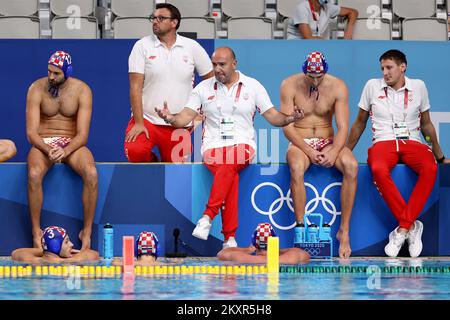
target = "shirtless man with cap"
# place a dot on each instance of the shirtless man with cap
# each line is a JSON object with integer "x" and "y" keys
{"x": 56, "y": 248}
{"x": 313, "y": 140}
{"x": 58, "y": 116}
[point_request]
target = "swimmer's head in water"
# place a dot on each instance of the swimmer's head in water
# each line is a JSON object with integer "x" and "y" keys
{"x": 59, "y": 69}
{"x": 261, "y": 235}
{"x": 56, "y": 240}
{"x": 147, "y": 244}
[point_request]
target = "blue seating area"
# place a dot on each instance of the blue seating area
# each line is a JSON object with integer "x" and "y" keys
{"x": 160, "y": 197}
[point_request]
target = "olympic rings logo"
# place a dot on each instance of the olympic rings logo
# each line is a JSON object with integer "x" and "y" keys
{"x": 310, "y": 207}
{"x": 312, "y": 251}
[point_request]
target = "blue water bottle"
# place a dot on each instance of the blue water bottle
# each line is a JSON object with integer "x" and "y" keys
{"x": 313, "y": 233}
{"x": 326, "y": 232}
{"x": 299, "y": 233}
{"x": 108, "y": 241}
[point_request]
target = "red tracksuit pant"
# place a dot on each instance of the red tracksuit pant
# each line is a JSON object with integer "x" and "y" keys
{"x": 383, "y": 156}
{"x": 225, "y": 164}
{"x": 174, "y": 144}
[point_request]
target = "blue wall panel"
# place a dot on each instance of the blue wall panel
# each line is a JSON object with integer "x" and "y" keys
{"x": 103, "y": 65}
{"x": 160, "y": 198}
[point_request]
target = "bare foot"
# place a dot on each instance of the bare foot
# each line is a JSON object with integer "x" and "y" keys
{"x": 344, "y": 244}
{"x": 85, "y": 237}
{"x": 37, "y": 238}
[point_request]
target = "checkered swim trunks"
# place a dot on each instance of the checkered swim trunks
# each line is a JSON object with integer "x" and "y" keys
{"x": 318, "y": 143}
{"x": 57, "y": 141}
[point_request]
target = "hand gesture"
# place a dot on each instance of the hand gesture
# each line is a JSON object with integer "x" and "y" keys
{"x": 57, "y": 154}
{"x": 328, "y": 158}
{"x": 135, "y": 131}
{"x": 296, "y": 115}
{"x": 314, "y": 156}
{"x": 165, "y": 114}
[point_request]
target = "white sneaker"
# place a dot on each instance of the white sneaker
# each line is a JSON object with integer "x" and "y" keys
{"x": 396, "y": 241}
{"x": 201, "y": 231}
{"x": 414, "y": 239}
{"x": 230, "y": 243}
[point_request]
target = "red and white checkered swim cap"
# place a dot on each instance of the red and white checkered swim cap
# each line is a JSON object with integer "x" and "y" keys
{"x": 63, "y": 61}
{"x": 315, "y": 63}
{"x": 261, "y": 235}
{"x": 147, "y": 244}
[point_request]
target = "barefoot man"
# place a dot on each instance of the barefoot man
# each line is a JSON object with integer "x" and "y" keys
{"x": 58, "y": 116}
{"x": 312, "y": 139}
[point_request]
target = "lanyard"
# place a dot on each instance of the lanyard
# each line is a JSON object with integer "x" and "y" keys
{"x": 405, "y": 103}
{"x": 236, "y": 98}
{"x": 311, "y": 7}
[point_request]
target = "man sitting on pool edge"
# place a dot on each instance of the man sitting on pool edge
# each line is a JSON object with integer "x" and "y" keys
{"x": 257, "y": 251}
{"x": 57, "y": 248}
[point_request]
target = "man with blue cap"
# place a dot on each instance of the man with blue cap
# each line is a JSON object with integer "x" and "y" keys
{"x": 56, "y": 247}
{"x": 313, "y": 139}
{"x": 58, "y": 115}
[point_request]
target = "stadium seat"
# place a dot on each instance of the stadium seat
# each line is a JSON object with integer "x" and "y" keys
{"x": 431, "y": 29}
{"x": 132, "y": 28}
{"x": 243, "y": 8}
{"x": 204, "y": 27}
{"x": 19, "y": 27}
{"x": 364, "y": 7}
{"x": 19, "y": 7}
{"x": 250, "y": 28}
{"x": 286, "y": 8}
{"x": 372, "y": 29}
{"x": 79, "y": 8}
{"x": 74, "y": 28}
{"x": 414, "y": 8}
{"x": 132, "y": 8}
{"x": 192, "y": 8}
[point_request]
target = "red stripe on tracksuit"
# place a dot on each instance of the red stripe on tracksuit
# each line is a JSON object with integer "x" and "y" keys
{"x": 382, "y": 158}
{"x": 225, "y": 164}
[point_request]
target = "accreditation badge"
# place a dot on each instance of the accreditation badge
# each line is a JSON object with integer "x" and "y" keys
{"x": 226, "y": 128}
{"x": 401, "y": 130}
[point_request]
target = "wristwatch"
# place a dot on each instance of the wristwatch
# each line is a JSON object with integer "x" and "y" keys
{"x": 440, "y": 160}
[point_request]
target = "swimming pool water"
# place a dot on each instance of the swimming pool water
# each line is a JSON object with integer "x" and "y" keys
{"x": 287, "y": 286}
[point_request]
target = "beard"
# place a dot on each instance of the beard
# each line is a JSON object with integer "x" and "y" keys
{"x": 53, "y": 87}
